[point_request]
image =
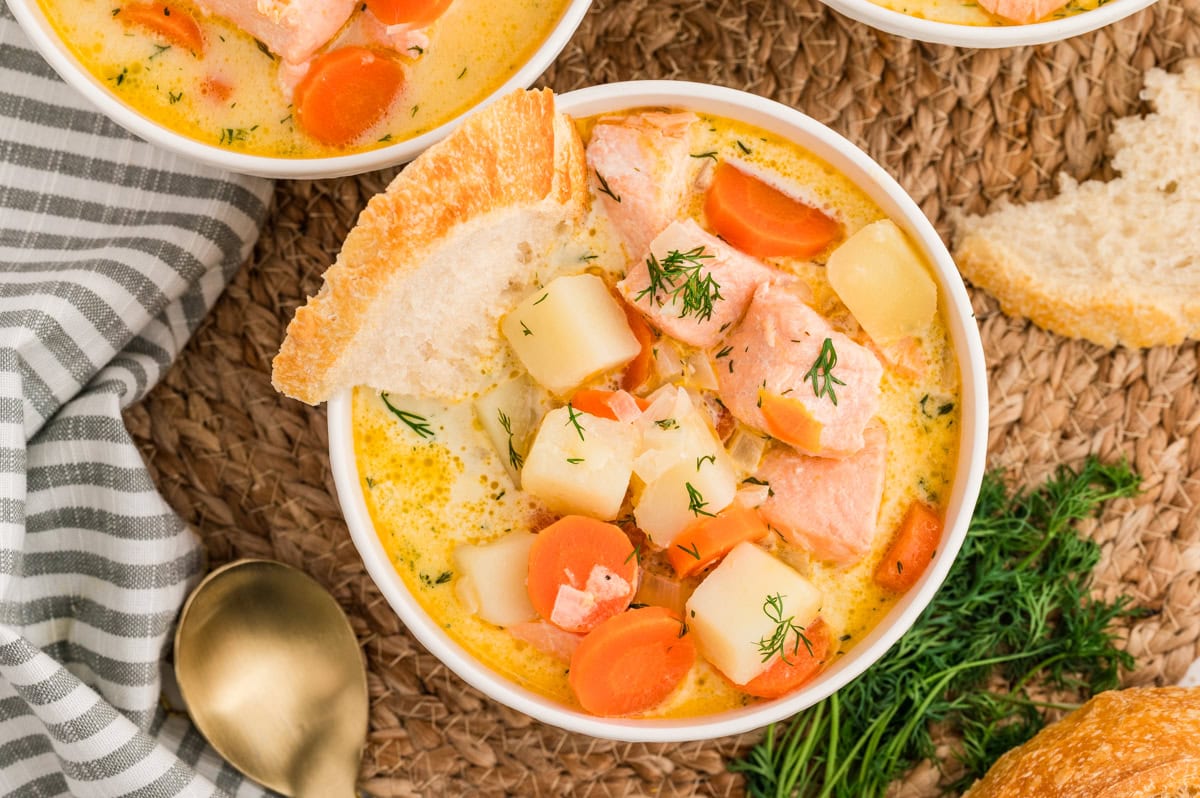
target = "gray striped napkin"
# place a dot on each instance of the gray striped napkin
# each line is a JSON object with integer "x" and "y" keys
{"x": 111, "y": 252}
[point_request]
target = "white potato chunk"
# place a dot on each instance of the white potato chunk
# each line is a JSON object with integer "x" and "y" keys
{"x": 509, "y": 415}
{"x": 881, "y": 277}
{"x": 568, "y": 331}
{"x": 729, "y": 612}
{"x": 491, "y": 579}
{"x": 682, "y": 494}
{"x": 581, "y": 466}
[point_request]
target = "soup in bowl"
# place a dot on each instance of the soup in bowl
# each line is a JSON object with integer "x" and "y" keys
{"x": 293, "y": 88}
{"x": 700, "y": 487}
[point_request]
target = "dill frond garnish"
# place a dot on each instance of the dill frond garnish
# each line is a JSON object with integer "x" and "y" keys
{"x": 821, "y": 372}
{"x": 696, "y": 501}
{"x": 693, "y": 551}
{"x": 418, "y": 424}
{"x": 680, "y": 278}
{"x": 573, "y": 419}
{"x": 1014, "y": 619}
{"x": 785, "y": 629}
{"x": 514, "y": 457}
{"x": 604, "y": 187}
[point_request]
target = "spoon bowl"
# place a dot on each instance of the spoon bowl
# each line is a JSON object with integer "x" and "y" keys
{"x": 273, "y": 677}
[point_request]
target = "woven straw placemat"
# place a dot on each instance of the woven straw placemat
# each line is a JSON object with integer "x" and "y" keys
{"x": 958, "y": 128}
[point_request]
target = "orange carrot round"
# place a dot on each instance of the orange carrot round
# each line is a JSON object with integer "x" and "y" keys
{"x": 345, "y": 93}
{"x": 709, "y": 539}
{"x": 638, "y": 370}
{"x": 761, "y": 220}
{"x": 168, "y": 21}
{"x": 794, "y": 670}
{"x": 417, "y": 13}
{"x": 581, "y": 572}
{"x": 596, "y": 402}
{"x": 631, "y": 662}
{"x": 912, "y": 549}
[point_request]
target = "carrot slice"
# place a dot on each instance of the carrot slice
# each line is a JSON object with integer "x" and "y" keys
{"x": 581, "y": 572}
{"x": 709, "y": 539}
{"x": 598, "y": 403}
{"x": 761, "y": 220}
{"x": 790, "y": 673}
{"x": 912, "y": 549}
{"x": 416, "y": 13}
{"x": 631, "y": 662}
{"x": 789, "y": 421}
{"x": 170, "y": 22}
{"x": 346, "y": 92}
{"x": 638, "y": 370}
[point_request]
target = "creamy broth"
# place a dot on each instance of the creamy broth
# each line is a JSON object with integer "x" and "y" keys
{"x": 428, "y": 495}
{"x": 473, "y": 48}
{"x": 969, "y": 12}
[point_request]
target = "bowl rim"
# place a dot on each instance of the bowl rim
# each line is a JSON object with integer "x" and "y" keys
{"x": 36, "y": 25}
{"x": 885, "y": 191}
{"x": 986, "y": 37}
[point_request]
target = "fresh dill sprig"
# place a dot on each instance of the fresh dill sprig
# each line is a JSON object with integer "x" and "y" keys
{"x": 821, "y": 372}
{"x": 785, "y": 629}
{"x": 514, "y": 457}
{"x": 680, "y": 277}
{"x": 573, "y": 419}
{"x": 696, "y": 501}
{"x": 693, "y": 550}
{"x": 605, "y": 189}
{"x": 1016, "y": 609}
{"x": 418, "y": 424}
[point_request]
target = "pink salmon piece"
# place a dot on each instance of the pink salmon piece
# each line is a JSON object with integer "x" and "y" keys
{"x": 292, "y": 29}
{"x": 829, "y": 507}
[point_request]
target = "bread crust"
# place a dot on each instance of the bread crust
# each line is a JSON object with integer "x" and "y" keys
{"x": 1133, "y": 743}
{"x": 1117, "y": 262}
{"x": 517, "y": 153}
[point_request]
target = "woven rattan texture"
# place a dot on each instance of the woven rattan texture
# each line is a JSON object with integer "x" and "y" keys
{"x": 248, "y": 468}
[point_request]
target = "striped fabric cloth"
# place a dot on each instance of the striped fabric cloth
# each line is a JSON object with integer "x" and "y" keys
{"x": 111, "y": 252}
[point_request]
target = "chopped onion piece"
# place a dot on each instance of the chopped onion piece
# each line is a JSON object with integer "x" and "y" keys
{"x": 666, "y": 362}
{"x": 746, "y": 449}
{"x": 663, "y": 591}
{"x": 753, "y": 495}
{"x": 700, "y": 371}
{"x": 624, "y": 407}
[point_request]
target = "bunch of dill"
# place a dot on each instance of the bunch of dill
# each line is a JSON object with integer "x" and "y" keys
{"x": 1015, "y": 608}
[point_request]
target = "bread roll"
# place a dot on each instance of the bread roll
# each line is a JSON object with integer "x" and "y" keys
{"x": 1116, "y": 262}
{"x": 484, "y": 206}
{"x": 1135, "y": 743}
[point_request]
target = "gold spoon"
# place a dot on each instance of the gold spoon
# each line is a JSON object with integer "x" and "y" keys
{"x": 273, "y": 677}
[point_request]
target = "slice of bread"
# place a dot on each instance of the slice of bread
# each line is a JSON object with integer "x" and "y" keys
{"x": 413, "y": 303}
{"x": 1116, "y": 262}
{"x": 1134, "y": 743}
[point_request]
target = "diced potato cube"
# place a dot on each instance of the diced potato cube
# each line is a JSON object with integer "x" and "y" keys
{"x": 883, "y": 280}
{"x": 729, "y": 612}
{"x": 570, "y": 330}
{"x": 680, "y": 495}
{"x": 491, "y": 579}
{"x": 508, "y": 415}
{"x": 581, "y": 465}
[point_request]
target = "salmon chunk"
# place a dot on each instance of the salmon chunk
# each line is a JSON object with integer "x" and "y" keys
{"x": 829, "y": 507}
{"x": 1022, "y": 11}
{"x": 790, "y": 374}
{"x": 292, "y": 29}
{"x": 639, "y": 170}
{"x": 736, "y": 277}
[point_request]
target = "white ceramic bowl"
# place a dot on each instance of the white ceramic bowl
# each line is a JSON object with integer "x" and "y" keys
{"x": 927, "y": 30}
{"x": 855, "y": 164}
{"x": 31, "y": 18}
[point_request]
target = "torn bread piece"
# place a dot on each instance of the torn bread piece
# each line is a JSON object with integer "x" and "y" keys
{"x": 413, "y": 302}
{"x": 1114, "y": 262}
